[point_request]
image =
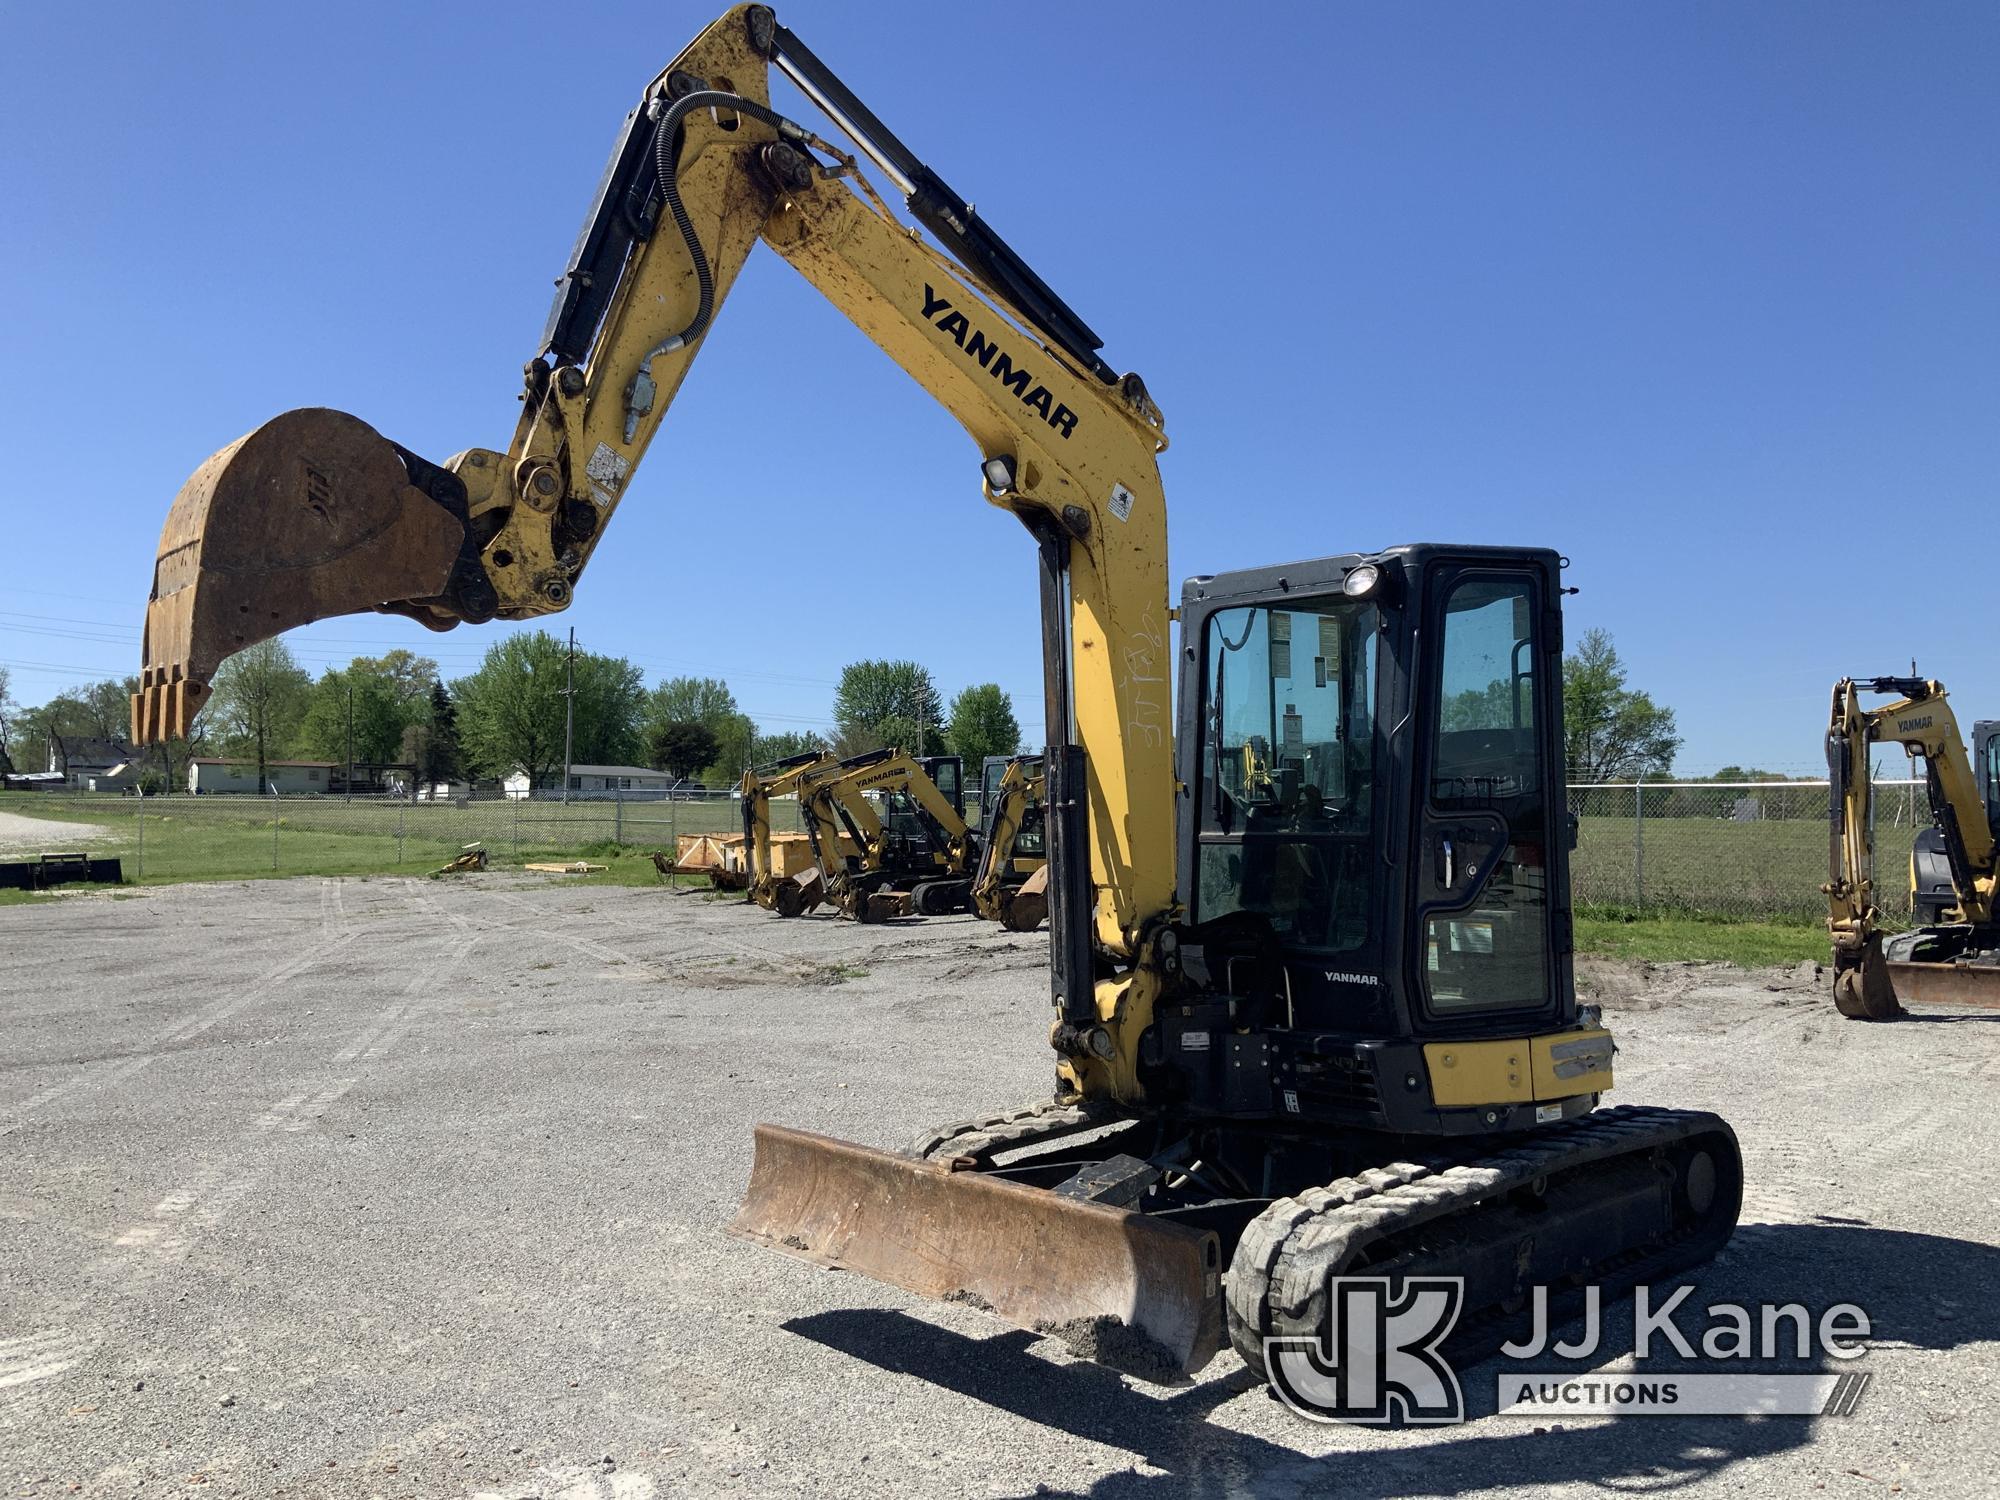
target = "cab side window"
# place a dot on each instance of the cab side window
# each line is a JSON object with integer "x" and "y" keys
{"x": 1487, "y": 835}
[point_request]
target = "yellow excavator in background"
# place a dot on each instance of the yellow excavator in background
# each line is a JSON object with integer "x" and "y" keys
{"x": 925, "y": 870}
{"x": 1955, "y": 957}
{"x": 1011, "y": 887}
{"x": 770, "y": 888}
{"x": 1318, "y": 1025}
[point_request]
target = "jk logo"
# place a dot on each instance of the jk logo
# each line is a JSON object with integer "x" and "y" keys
{"x": 1379, "y": 1360}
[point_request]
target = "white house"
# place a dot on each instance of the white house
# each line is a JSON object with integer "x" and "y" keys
{"x": 593, "y": 782}
{"x": 289, "y": 777}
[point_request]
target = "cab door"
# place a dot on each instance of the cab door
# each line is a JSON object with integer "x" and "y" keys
{"x": 1491, "y": 887}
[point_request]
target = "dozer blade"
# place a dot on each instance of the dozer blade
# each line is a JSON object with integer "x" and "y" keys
{"x": 311, "y": 515}
{"x": 1139, "y": 1292}
{"x": 1964, "y": 984}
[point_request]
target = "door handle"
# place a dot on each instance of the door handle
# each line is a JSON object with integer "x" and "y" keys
{"x": 1448, "y": 858}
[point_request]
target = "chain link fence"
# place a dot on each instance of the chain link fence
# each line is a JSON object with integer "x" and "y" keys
{"x": 1729, "y": 849}
{"x": 245, "y": 837}
{"x": 1715, "y": 849}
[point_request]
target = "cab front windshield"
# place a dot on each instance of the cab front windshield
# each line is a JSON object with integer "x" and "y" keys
{"x": 1287, "y": 804}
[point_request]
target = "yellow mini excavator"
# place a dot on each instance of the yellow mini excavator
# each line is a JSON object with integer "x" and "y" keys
{"x": 1954, "y": 958}
{"x": 1011, "y": 887}
{"x": 769, "y": 887}
{"x": 922, "y": 867}
{"x": 1314, "y": 1023}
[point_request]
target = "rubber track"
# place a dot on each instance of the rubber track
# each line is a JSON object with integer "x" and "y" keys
{"x": 984, "y": 1138}
{"x": 1277, "y": 1278}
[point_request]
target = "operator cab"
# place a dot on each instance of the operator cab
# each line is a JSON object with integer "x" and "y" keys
{"x": 1029, "y": 839}
{"x": 1336, "y": 717}
{"x": 1933, "y": 892}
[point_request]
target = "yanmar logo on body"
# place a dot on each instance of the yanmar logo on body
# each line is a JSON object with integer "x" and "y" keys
{"x": 996, "y": 362}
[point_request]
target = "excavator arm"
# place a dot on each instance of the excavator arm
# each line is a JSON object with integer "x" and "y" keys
{"x": 1920, "y": 720}
{"x": 756, "y": 790}
{"x": 315, "y": 515}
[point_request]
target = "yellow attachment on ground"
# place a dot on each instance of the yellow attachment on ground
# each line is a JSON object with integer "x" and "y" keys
{"x": 1520, "y": 1071}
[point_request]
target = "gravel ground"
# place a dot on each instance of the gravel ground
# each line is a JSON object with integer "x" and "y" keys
{"x": 22, "y": 835}
{"x": 393, "y": 1187}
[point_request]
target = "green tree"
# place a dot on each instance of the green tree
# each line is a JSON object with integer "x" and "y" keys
{"x": 359, "y": 698}
{"x": 767, "y": 748}
{"x": 887, "y": 703}
{"x": 680, "y": 747}
{"x": 409, "y": 677}
{"x": 1745, "y": 773}
{"x": 430, "y": 743}
{"x": 107, "y": 707}
{"x": 982, "y": 724}
{"x": 67, "y": 714}
{"x": 706, "y": 701}
{"x": 9, "y": 711}
{"x": 258, "y": 703}
{"x": 510, "y": 711}
{"x": 1611, "y": 732}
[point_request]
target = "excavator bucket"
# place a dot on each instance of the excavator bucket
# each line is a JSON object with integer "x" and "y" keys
{"x": 1133, "y": 1291}
{"x": 1862, "y": 990}
{"x": 311, "y": 515}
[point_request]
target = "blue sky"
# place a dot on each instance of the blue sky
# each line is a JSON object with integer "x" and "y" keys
{"x": 1702, "y": 294}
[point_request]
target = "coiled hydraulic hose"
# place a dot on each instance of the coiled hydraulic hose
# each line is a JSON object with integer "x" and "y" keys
{"x": 669, "y": 119}
{"x": 639, "y": 394}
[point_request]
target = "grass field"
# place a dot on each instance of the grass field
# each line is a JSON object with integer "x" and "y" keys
{"x": 1745, "y": 893}
{"x": 1771, "y": 869}
{"x": 1658, "y": 939}
{"x": 163, "y": 840}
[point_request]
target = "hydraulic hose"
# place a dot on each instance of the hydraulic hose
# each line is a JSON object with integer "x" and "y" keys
{"x": 668, "y": 117}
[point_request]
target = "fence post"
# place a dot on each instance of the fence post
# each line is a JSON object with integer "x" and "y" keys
{"x": 141, "y": 814}
{"x": 274, "y": 830}
{"x": 617, "y": 817}
{"x": 1639, "y": 843}
{"x": 674, "y": 841}
{"x": 517, "y": 825}
{"x": 399, "y": 833}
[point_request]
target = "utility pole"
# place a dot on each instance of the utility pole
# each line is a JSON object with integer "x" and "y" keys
{"x": 569, "y": 709}
{"x": 348, "y": 795}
